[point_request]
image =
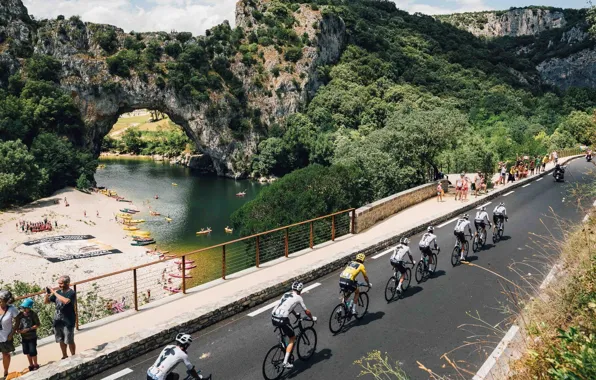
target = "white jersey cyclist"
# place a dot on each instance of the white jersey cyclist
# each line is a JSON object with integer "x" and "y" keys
{"x": 481, "y": 217}
{"x": 462, "y": 225}
{"x": 500, "y": 212}
{"x": 169, "y": 358}
{"x": 427, "y": 239}
{"x": 287, "y": 304}
{"x": 400, "y": 253}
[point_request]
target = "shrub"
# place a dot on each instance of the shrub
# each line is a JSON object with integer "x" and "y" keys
{"x": 83, "y": 183}
{"x": 106, "y": 38}
{"x": 173, "y": 49}
{"x": 183, "y": 37}
{"x": 293, "y": 54}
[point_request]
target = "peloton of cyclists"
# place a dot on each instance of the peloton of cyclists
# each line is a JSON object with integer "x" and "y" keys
{"x": 347, "y": 279}
{"x": 398, "y": 259}
{"x": 499, "y": 213}
{"x": 425, "y": 245}
{"x": 280, "y": 316}
{"x": 459, "y": 231}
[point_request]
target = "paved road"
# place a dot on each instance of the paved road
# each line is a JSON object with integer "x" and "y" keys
{"x": 422, "y": 326}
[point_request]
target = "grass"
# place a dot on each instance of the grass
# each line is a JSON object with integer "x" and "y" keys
{"x": 141, "y": 123}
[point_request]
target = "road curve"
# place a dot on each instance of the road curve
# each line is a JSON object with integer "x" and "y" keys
{"x": 433, "y": 318}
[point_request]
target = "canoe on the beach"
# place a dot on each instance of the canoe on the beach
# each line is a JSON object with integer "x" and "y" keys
{"x": 130, "y": 228}
{"x": 176, "y": 275}
{"x": 140, "y": 234}
{"x": 187, "y": 261}
{"x": 141, "y": 243}
{"x": 129, "y": 211}
{"x": 124, "y": 200}
{"x": 172, "y": 290}
{"x": 188, "y": 267}
{"x": 137, "y": 221}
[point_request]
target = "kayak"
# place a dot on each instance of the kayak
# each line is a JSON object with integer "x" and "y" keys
{"x": 130, "y": 228}
{"x": 168, "y": 220}
{"x": 141, "y": 243}
{"x": 176, "y": 275}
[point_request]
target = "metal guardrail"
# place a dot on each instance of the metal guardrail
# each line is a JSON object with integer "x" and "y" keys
{"x": 105, "y": 295}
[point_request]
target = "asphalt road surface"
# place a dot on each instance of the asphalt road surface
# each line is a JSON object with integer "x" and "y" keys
{"x": 433, "y": 318}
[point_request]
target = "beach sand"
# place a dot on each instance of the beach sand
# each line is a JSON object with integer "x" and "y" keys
{"x": 20, "y": 262}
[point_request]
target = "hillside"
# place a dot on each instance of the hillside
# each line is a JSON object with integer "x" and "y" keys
{"x": 303, "y": 82}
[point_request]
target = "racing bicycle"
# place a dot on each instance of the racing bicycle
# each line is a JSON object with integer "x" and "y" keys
{"x": 499, "y": 228}
{"x": 342, "y": 313}
{"x": 423, "y": 270}
{"x": 456, "y": 254}
{"x": 393, "y": 283}
{"x": 479, "y": 240}
{"x": 306, "y": 344}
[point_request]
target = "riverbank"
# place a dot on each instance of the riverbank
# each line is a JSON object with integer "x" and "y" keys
{"x": 100, "y": 246}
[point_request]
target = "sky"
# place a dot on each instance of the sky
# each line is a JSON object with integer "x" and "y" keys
{"x": 198, "y": 15}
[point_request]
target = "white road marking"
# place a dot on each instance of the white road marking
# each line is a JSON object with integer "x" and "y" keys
{"x": 382, "y": 253}
{"x": 540, "y": 179}
{"x": 119, "y": 374}
{"x": 526, "y": 185}
{"x": 273, "y": 304}
{"x": 447, "y": 222}
{"x": 484, "y": 205}
{"x": 498, "y": 351}
{"x": 509, "y": 193}
{"x": 550, "y": 276}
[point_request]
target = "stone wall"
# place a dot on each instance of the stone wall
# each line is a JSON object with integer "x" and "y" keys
{"x": 372, "y": 213}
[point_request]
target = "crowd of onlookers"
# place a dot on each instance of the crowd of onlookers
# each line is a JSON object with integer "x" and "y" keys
{"x": 523, "y": 167}
{"x": 24, "y": 320}
{"x": 31, "y": 227}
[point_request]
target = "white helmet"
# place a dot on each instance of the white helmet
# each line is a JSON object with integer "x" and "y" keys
{"x": 297, "y": 286}
{"x": 483, "y": 208}
{"x": 405, "y": 241}
{"x": 502, "y": 204}
{"x": 184, "y": 339}
{"x": 466, "y": 216}
{"x": 430, "y": 229}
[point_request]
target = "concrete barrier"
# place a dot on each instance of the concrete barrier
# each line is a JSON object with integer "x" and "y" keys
{"x": 372, "y": 213}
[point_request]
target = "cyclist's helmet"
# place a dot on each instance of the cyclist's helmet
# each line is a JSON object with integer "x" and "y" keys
{"x": 502, "y": 204}
{"x": 6, "y": 296}
{"x": 483, "y": 208}
{"x": 360, "y": 257}
{"x": 466, "y": 216}
{"x": 405, "y": 241}
{"x": 183, "y": 340}
{"x": 297, "y": 286}
{"x": 430, "y": 229}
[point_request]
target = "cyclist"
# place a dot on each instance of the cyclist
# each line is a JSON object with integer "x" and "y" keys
{"x": 397, "y": 259}
{"x": 280, "y": 317}
{"x": 481, "y": 220}
{"x": 499, "y": 213}
{"x": 170, "y": 357}
{"x": 460, "y": 232}
{"x": 425, "y": 242}
{"x": 347, "y": 279}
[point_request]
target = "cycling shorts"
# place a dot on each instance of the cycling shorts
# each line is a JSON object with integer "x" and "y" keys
{"x": 461, "y": 236}
{"x": 171, "y": 376}
{"x": 399, "y": 265}
{"x": 426, "y": 251}
{"x": 347, "y": 285}
{"x": 479, "y": 224}
{"x": 285, "y": 326}
{"x": 496, "y": 218}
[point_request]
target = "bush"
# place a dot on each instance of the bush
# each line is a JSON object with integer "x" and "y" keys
{"x": 121, "y": 63}
{"x": 43, "y": 67}
{"x": 183, "y": 37}
{"x": 83, "y": 183}
{"x": 293, "y": 54}
{"x": 106, "y": 38}
{"x": 173, "y": 49}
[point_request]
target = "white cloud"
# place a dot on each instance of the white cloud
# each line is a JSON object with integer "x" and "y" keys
{"x": 156, "y": 15}
{"x": 189, "y": 15}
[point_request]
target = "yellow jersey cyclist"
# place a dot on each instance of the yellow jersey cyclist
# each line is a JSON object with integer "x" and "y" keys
{"x": 347, "y": 279}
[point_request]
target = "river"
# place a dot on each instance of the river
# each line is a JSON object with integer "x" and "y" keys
{"x": 196, "y": 202}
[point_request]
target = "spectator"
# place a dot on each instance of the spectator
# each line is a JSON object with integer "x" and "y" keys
{"x": 477, "y": 182}
{"x": 544, "y": 161}
{"x": 465, "y": 189}
{"x": 64, "y": 321}
{"x": 440, "y": 192}
{"x": 7, "y": 330}
{"x": 503, "y": 173}
{"x": 532, "y": 163}
{"x": 459, "y": 184}
{"x": 482, "y": 183}
{"x": 555, "y": 157}
{"x": 538, "y": 164}
{"x": 27, "y": 323}
{"x": 512, "y": 173}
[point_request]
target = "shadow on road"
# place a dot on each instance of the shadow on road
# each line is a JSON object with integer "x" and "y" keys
{"x": 413, "y": 290}
{"x": 437, "y": 274}
{"x": 368, "y": 318}
{"x": 505, "y": 238}
{"x": 301, "y": 366}
{"x": 472, "y": 258}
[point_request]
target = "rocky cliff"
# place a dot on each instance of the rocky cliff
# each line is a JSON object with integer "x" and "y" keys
{"x": 224, "y": 101}
{"x": 513, "y": 23}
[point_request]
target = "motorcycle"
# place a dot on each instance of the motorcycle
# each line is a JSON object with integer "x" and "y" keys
{"x": 559, "y": 174}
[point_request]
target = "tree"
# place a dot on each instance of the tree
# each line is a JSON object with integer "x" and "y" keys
{"x": 107, "y": 39}
{"x": 83, "y": 183}
{"x": 43, "y": 67}
{"x": 132, "y": 141}
{"x": 20, "y": 178}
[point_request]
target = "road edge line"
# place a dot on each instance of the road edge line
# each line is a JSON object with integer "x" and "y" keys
{"x": 496, "y": 354}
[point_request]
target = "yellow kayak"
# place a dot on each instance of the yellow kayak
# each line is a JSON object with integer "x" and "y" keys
{"x": 130, "y": 228}
{"x": 140, "y": 233}
{"x": 168, "y": 220}
{"x": 137, "y": 221}
{"x": 174, "y": 184}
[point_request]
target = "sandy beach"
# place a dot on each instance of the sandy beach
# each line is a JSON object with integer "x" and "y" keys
{"x": 107, "y": 248}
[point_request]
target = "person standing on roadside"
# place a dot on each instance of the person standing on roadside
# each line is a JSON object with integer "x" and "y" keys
{"x": 64, "y": 321}
{"x": 440, "y": 192}
{"x": 544, "y": 162}
{"x": 459, "y": 184}
{"x": 8, "y": 313}
{"x": 27, "y": 323}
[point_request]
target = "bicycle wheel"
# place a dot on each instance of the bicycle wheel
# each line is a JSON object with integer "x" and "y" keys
{"x": 455, "y": 256}
{"x": 475, "y": 244}
{"x": 419, "y": 274}
{"x": 307, "y": 343}
{"x": 362, "y": 306}
{"x": 495, "y": 237}
{"x": 501, "y": 231}
{"x": 273, "y": 365}
{"x": 467, "y": 250}
{"x": 338, "y": 318}
{"x": 390, "y": 288}
{"x": 407, "y": 278}
{"x": 483, "y": 237}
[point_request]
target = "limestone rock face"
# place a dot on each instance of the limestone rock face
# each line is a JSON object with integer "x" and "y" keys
{"x": 102, "y": 97}
{"x": 575, "y": 70}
